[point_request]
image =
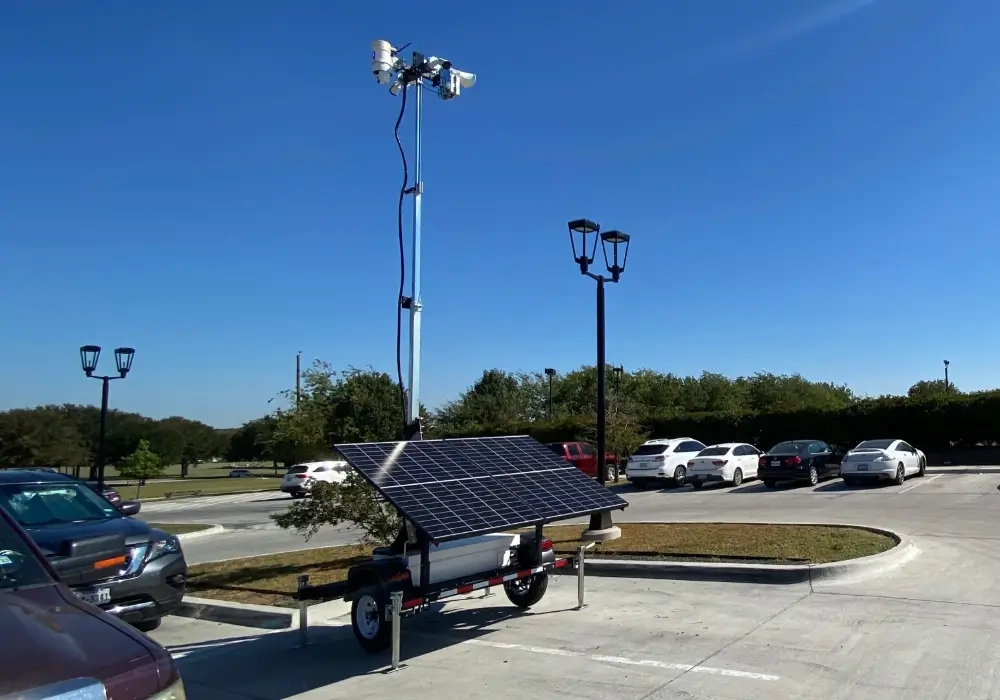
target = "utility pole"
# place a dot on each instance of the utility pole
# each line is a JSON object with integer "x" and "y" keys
{"x": 946, "y": 385}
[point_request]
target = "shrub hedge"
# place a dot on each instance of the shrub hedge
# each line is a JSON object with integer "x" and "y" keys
{"x": 934, "y": 424}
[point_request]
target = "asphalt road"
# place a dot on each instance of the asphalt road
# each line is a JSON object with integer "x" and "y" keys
{"x": 927, "y": 630}
{"x": 953, "y": 505}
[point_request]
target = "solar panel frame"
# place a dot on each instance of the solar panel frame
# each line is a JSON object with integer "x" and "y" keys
{"x": 462, "y": 487}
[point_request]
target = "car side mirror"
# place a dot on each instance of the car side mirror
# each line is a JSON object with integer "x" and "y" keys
{"x": 88, "y": 559}
{"x": 130, "y": 508}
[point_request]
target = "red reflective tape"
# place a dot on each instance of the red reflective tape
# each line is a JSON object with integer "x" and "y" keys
{"x": 495, "y": 581}
{"x": 560, "y": 563}
{"x": 468, "y": 588}
{"x": 412, "y": 603}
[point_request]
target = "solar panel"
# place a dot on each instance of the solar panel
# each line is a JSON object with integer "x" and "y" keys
{"x": 471, "y": 486}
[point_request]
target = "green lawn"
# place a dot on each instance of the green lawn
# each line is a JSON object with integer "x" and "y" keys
{"x": 197, "y": 487}
{"x": 272, "y": 579}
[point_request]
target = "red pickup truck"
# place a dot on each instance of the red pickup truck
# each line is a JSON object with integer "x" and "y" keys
{"x": 583, "y": 455}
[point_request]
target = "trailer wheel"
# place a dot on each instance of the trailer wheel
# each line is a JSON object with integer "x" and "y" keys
{"x": 525, "y": 592}
{"x": 368, "y": 621}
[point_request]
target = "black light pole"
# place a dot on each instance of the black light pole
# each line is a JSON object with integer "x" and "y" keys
{"x": 550, "y": 372}
{"x": 946, "y": 363}
{"x": 601, "y": 527}
{"x": 89, "y": 354}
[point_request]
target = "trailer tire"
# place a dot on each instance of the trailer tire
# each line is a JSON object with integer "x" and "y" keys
{"x": 371, "y": 629}
{"x": 527, "y": 591}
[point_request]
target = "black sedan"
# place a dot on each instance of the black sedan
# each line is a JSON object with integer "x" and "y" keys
{"x": 55, "y": 509}
{"x": 805, "y": 461}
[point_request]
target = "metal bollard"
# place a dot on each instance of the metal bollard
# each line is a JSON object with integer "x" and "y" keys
{"x": 397, "y": 606}
{"x": 487, "y": 593}
{"x": 303, "y": 612}
{"x": 580, "y": 605}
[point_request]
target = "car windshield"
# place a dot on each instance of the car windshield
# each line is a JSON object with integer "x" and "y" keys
{"x": 874, "y": 445}
{"x": 714, "y": 451}
{"x": 788, "y": 448}
{"x": 650, "y": 450}
{"x": 36, "y": 505}
{"x": 18, "y": 565}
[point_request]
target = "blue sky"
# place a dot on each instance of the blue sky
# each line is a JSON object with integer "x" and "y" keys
{"x": 809, "y": 186}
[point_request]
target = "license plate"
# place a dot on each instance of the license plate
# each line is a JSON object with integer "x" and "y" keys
{"x": 862, "y": 467}
{"x": 776, "y": 463}
{"x": 95, "y": 596}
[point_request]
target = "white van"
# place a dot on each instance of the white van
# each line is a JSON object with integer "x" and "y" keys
{"x": 299, "y": 478}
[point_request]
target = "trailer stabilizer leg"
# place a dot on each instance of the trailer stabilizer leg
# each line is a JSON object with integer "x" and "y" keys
{"x": 487, "y": 593}
{"x": 581, "y": 553}
{"x": 303, "y": 612}
{"x": 397, "y": 606}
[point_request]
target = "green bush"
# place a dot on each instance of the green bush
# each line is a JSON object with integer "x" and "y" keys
{"x": 933, "y": 424}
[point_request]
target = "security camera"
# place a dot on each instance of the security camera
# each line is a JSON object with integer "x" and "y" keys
{"x": 452, "y": 82}
{"x": 383, "y": 61}
{"x": 435, "y": 64}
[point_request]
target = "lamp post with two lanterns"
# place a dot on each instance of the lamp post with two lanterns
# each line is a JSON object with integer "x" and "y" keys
{"x": 601, "y": 527}
{"x": 89, "y": 355}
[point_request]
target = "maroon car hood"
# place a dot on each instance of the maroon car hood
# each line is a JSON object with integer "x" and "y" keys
{"x": 49, "y": 636}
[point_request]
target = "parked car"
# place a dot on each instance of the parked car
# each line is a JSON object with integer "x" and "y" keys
{"x": 54, "y": 645}
{"x": 240, "y": 473}
{"x": 663, "y": 461}
{"x": 106, "y": 491}
{"x": 299, "y": 478}
{"x": 55, "y": 509}
{"x": 583, "y": 455}
{"x": 883, "y": 460}
{"x": 728, "y": 462}
{"x": 806, "y": 461}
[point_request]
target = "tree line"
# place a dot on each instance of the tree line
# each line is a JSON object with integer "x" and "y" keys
{"x": 366, "y": 405}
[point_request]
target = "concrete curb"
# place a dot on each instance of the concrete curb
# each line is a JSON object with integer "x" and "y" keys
{"x": 260, "y": 616}
{"x": 964, "y": 470}
{"x": 778, "y": 574}
{"x": 212, "y": 530}
{"x": 156, "y": 499}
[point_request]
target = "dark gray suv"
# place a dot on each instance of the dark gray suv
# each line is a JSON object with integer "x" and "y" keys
{"x": 55, "y": 510}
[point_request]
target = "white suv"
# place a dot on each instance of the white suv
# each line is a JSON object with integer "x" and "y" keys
{"x": 299, "y": 478}
{"x": 662, "y": 461}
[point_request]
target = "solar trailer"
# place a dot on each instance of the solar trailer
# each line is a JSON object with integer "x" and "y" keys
{"x": 462, "y": 502}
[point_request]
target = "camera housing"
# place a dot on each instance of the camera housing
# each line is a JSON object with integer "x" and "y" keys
{"x": 384, "y": 61}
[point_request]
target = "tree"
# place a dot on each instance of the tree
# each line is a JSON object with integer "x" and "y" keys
{"x": 623, "y": 429}
{"x": 932, "y": 389}
{"x": 354, "y": 502}
{"x": 142, "y": 464}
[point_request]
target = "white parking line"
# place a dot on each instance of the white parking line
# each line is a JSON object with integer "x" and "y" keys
{"x": 623, "y": 661}
{"x": 920, "y": 483}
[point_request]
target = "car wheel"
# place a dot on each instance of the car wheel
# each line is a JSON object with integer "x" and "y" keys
{"x": 680, "y": 476}
{"x": 147, "y": 625}
{"x": 900, "y": 475}
{"x": 737, "y": 477}
{"x": 769, "y": 483}
{"x": 368, "y": 622}
{"x": 697, "y": 484}
{"x": 923, "y": 467}
{"x": 525, "y": 592}
{"x": 813, "y": 476}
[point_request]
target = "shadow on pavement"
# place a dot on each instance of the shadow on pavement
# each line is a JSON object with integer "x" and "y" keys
{"x": 273, "y": 665}
{"x": 270, "y": 499}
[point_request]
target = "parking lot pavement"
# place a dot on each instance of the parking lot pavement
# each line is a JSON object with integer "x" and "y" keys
{"x": 636, "y": 639}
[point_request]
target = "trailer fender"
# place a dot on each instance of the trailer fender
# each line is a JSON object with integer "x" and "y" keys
{"x": 382, "y": 576}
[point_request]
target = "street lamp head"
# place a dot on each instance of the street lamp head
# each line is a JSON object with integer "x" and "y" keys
{"x": 618, "y": 370}
{"x": 89, "y": 354}
{"x": 616, "y": 266}
{"x": 123, "y": 360}
{"x": 583, "y": 228}
{"x": 946, "y": 363}
{"x": 550, "y": 372}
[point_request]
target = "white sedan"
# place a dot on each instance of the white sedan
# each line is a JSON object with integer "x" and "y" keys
{"x": 726, "y": 463}
{"x": 882, "y": 460}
